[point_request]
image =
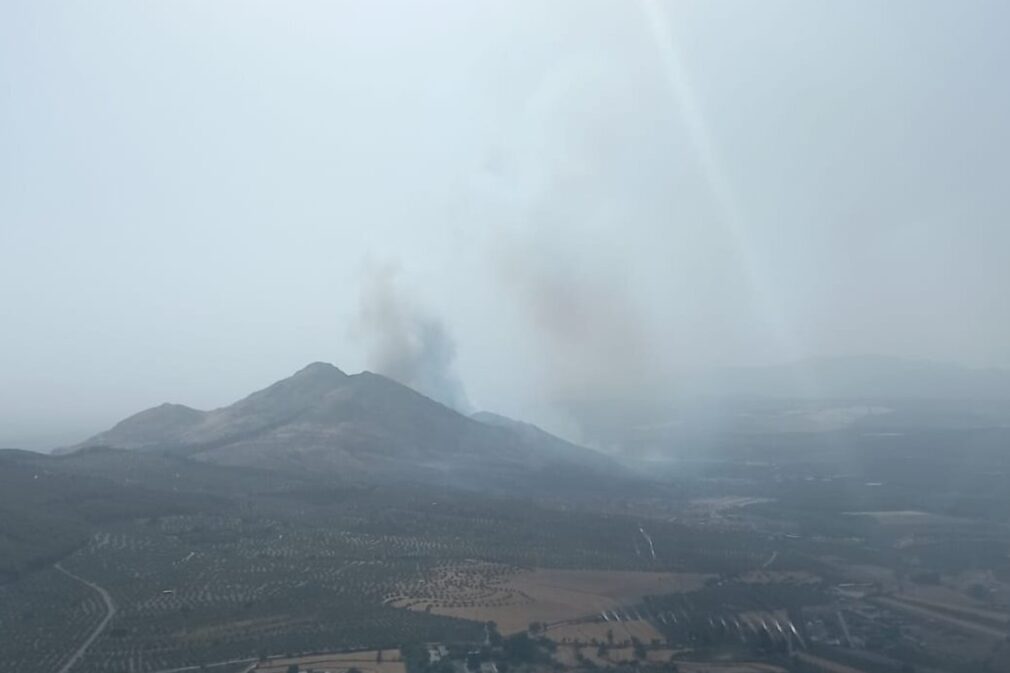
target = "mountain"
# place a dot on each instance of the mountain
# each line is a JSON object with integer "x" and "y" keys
{"x": 362, "y": 426}
{"x": 534, "y": 436}
{"x": 316, "y": 438}
{"x": 166, "y": 424}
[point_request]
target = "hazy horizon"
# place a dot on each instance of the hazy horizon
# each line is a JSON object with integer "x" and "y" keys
{"x": 40, "y": 438}
{"x": 510, "y": 206}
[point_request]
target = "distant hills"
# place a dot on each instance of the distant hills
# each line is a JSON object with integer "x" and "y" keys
{"x": 363, "y": 426}
{"x": 864, "y": 377}
{"x": 845, "y": 394}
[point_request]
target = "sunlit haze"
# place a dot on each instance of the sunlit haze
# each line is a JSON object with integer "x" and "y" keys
{"x": 505, "y": 204}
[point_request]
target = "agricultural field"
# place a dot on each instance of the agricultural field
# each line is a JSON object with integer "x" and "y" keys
{"x": 366, "y": 661}
{"x": 513, "y": 598}
{"x": 309, "y": 570}
{"x": 40, "y": 616}
{"x": 271, "y": 569}
{"x": 183, "y": 598}
{"x": 735, "y": 667}
{"x": 590, "y": 632}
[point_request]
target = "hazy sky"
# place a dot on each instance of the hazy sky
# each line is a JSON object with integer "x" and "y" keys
{"x": 540, "y": 198}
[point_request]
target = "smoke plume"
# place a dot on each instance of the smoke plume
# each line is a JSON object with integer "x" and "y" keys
{"x": 404, "y": 341}
{"x": 598, "y": 355}
{"x": 572, "y": 248}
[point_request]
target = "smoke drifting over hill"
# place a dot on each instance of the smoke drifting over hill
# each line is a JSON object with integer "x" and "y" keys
{"x": 404, "y": 341}
{"x": 592, "y": 344}
{"x": 575, "y": 244}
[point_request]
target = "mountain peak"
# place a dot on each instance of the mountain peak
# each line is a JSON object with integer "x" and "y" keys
{"x": 366, "y": 426}
{"x": 319, "y": 369}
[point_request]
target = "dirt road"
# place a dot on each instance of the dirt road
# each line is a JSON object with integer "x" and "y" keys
{"x": 110, "y": 611}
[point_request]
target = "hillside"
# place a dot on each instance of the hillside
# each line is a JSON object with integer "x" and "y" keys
{"x": 364, "y": 426}
{"x": 49, "y": 505}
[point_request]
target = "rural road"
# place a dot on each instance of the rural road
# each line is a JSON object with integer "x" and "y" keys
{"x": 110, "y": 611}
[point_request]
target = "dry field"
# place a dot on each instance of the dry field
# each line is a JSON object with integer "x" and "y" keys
{"x": 779, "y": 577}
{"x": 734, "y": 667}
{"x": 513, "y": 598}
{"x": 826, "y": 665}
{"x": 597, "y": 631}
{"x": 727, "y": 502}
{"x": 364, "y": 661}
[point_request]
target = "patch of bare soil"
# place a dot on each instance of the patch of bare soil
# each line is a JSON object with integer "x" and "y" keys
{"x": 513, "y": 598}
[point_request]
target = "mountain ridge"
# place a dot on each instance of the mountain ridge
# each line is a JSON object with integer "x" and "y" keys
{"x": 364, "y": 425}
